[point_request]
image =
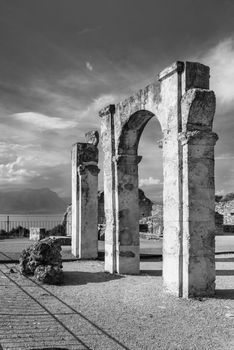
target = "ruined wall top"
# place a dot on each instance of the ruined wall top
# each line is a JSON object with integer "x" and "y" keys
{"x": 193, "y": 75}
{"x": 164, "y": 99}
{"x": 92, "y": 137}
{"x": 87, "y": 152}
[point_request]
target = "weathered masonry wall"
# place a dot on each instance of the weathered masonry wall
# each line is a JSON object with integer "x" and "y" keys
{"x": 84, "y": 200}
{"x": 184, "y": 106}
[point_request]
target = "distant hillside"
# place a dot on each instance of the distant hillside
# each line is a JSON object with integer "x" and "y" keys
{"x": 30, "y": 201}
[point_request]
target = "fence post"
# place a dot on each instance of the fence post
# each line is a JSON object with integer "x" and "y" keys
{"x": 8, "y": 223}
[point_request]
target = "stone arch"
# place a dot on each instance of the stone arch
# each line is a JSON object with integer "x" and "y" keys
{"x": 126, "y": 175}
{"x": 184, "y": 106}
{"x": 132, "y": 130}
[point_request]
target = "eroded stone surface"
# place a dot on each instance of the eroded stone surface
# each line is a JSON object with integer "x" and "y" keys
{"x": 43, "y": 259}
{"x": 92, "y": 137}
{"x": 85, "y": 198}
{"x": 185, "y": 109}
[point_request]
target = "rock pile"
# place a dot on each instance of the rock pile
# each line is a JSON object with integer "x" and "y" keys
{"x": 43, "y": 259}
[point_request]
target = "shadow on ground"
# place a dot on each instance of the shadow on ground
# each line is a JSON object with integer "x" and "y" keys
{"x": 74, "y": 278}
{"x": 49, "y": 348}
{"x": 151, "y": 272}
{"x": 224, "y": 272}
{"x": 224, "y": 259}
{"x": 159, "y": 272}
{"x": 151, "y": 257}
{"x": 224, "y": 294}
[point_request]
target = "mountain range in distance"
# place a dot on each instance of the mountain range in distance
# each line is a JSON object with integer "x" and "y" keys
{"x": 44, "y": 201}
{"x": 32, "y": 201}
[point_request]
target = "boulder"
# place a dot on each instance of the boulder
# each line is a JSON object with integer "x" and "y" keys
{"x": 49, "y": 274}
{"x": 43, "y": 259}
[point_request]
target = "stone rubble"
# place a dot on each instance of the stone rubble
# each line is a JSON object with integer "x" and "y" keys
{"x": 43, "y": 259}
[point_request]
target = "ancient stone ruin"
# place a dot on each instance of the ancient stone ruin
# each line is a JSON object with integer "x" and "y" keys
{"x": 182, "y": 102}
{"x": 185, "y": 107}
{"x": 84, "y": 197}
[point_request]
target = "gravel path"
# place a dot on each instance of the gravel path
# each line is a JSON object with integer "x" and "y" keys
{"x": 132, "y": 312}
{"x": 135, "y": 310}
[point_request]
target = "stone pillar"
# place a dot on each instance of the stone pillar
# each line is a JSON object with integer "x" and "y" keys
{"x": 84, "y": 200}
{"x": 172, "y": 215}
{"x": 170, "y": 115}
{"x": 198, "y": 213}
{"x": 127, "y": 220}
{"x": 108, "y": 144}
{"x": 188, "y": 244}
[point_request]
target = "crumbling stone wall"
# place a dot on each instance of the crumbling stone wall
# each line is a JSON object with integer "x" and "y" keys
{"x": 145, "y": 206}
{"x": 154, "y": 222}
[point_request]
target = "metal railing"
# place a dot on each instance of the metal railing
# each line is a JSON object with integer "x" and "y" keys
{"x": 21, "y": 227}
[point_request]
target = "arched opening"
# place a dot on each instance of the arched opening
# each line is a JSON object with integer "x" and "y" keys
{"x": 151, "y": 198}
{"x": 131, "y": 132}
{"x": 127, "y": 177}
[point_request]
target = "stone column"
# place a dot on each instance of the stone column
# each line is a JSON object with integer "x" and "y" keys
{"x": 108, "y": 144}
{"x": 172, "y": 215}
{"x": 188, "y": 268}
{"x": 170, "y": 116}
{"x": 84, "y": 200}
{"x": 127, "y": 220}
{"x": 198, "y": 213}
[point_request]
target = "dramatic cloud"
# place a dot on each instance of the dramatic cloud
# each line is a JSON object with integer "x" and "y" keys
{"x": 221, "y": 60}
{"x": 43, "y": 121}
{"x": 23, "y": 164}
{"x": 52, "y": 89}
{"x": 89, "y": 66}
{"x": 220, "y": 192}
{"x": 89, "y": 116}
{"x": 149, "y": 181}
{"x": 227, "y": 156}
{"x": 15, "y": 172}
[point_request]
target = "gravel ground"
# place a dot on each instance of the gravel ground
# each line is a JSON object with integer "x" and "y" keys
{"x": 135, "y": 311}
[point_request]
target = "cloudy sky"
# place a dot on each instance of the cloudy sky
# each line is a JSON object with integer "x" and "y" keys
{"x": 63, "y": 60}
